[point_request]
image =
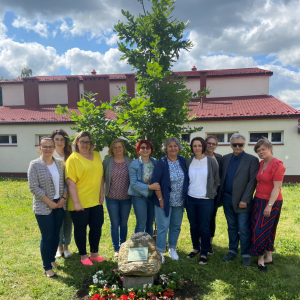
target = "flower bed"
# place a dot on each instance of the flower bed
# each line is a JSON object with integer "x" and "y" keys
{"x": 109, "y": 287}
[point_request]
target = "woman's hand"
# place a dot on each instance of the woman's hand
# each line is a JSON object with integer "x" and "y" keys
{"x": 52, "y": 205}
{"x": 101, "y": 199}
{"x": 78, "y": 207}
{"x": 267, "y": 211}
{"x": 154, "y": 186}
{"x": 60, "y": 203}
{"x": 161, "y": 203}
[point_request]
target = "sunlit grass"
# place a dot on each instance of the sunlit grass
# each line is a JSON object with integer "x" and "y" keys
{"x": 21, "y": 273}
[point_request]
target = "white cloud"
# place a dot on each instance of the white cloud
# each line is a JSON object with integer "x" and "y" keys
{"x": 112, "y": 40}
{"x": 64, "y": 28}
{"x": 40, "y": 27}
{"x": 291, "y": 97}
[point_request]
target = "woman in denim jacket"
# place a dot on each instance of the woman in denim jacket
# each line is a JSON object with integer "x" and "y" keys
{"x": 141, "y": 189}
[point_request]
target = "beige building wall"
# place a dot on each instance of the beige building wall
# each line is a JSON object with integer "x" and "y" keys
{"x": 53, "y": 93}
{"x": 288, "y": 153}
{"x": 114, "y": 88}
{"x": 15, "y": 159}
{"x": 13, "y": 94}
{"x": 238, "y": 86}
{"x": 193, "y": 84}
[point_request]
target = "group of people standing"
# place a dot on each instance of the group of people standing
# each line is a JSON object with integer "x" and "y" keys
{"x": 73, "y": 193}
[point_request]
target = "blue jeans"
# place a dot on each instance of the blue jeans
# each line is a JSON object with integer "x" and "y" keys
{"x": 171, "y": 224}
{"x": 50, "y": 227}
{"x": 118, "y": 211}
{"x": 238, "y": 227}
{"x": 199, "y": 212}
{"x": 144, "y": 213}
{"x": 66, "y": 231}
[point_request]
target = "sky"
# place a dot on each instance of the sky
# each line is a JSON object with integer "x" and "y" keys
{"x": 62, "y": 37}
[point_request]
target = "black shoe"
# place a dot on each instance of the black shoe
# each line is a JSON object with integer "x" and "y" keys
{"x": 229, "y": 256}
{"x": 54, "y": 276}
{"x": 210, "y": 251}
{"x": 193, "y": 254}
{"x": 247, "y": 262}
{"x": 203, "y": 261}
{"x": 268, "y": 262}
{"x": 262, "y": 268}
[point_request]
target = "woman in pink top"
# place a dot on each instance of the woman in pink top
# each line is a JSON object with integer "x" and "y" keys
{"x": 266, "y": 204}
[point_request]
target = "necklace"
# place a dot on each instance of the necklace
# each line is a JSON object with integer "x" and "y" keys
{"x": 171, "y": 159}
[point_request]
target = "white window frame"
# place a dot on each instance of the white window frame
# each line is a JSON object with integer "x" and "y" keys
{"x": 226, "y": 139}
{"x": 10, "y": 143}
{"x": 37, "y": 138}
{"x": 269, "y": 136}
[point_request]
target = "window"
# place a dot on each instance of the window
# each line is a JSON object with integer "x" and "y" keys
{"x": 38, "y": 138}
{"x": 223, "y": 138}
{"x": 273, "y": 137}
{"x": 186, "y": 137}
{"x": 8, "y": 139}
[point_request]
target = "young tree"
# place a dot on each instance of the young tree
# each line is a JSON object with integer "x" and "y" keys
{"x": 26, "y": 72}
{"x": 151, "y": 43}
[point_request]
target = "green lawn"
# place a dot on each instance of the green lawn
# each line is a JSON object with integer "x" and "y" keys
{"x": 21, "y": 273}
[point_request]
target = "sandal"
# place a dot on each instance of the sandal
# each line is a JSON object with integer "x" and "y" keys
{"x": 262, "y": 268}
{"x": 86, "y": 262}
{"x": 193, "y": 254}
{"x": 98, "y": 258}
{"x": 268, "y": 262}
{"x": 54, "y": 276}
{"x": 116, "y": 255}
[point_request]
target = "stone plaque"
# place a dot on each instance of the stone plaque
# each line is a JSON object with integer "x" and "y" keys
{"x": 138, "y": 254}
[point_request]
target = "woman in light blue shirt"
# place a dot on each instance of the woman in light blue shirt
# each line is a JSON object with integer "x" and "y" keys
{"x": 141, "y": 189}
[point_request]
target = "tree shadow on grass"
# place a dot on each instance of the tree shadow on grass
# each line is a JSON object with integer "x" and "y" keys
{"x": 234, "y": 281}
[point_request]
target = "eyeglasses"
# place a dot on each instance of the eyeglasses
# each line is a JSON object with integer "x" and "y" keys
{"x": 237, "y": 144}
{"x": 59, "y": 140}
{"x": 118, "y": 148}
{"x": 47, "y": 147}
{"x": 143, "y": 148}
{"x": 212, "y": 144}
{"x": 84, "y": 143}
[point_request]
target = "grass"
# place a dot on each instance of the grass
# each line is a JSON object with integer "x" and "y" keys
{"x": 21, "y": 273}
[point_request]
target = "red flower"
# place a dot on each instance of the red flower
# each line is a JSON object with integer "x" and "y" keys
{"x": 113, "y": 271}
{"x": 96, "y": 296}
{"x": 123, "y": 297}
{"x": 168, "y": 293}
{"x": 131, "y": 295}
{"x": 180, "y": 282}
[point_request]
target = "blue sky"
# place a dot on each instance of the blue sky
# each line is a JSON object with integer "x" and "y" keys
{"x": 73, "y": 37}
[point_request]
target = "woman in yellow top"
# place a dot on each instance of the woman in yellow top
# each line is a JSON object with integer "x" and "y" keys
{"x": 84, "y": 177}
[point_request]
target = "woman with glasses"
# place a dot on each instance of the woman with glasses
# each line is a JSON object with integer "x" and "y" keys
{"x": 84, "y": 176}
{"x": 212, "y": 144}
{"x": 62, "y": 151}
{"x": 204, "y": 180}
{"x": 46, "y": 178}
{"x": 141, "y": 189}
{"x": 118, "y": 202}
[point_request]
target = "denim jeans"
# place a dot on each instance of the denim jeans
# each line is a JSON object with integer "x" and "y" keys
{"x": 50, "y": 227}
{"x": 66, "y": 231}
{"x": 144, "y": 213}
{"x": 238, "y": 227}
{"x": 94, "y": 217}
{"x": 165, "y": 225}
{"x": 199, "y": 212}
{"x": 118, "y": 211}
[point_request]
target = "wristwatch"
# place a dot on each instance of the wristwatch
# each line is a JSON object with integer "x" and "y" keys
{"x": 160, "y": 199}
{"x": 269, "y": 204}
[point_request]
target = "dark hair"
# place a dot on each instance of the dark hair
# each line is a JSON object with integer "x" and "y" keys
{"x": 263, "y": 142}
{"x": 211, "y": 137}
{"x": 143, "y": 141}
{"x": 67, "y": 148}
{"x": 202, "y": 141}
{"x": 46, "y": 137}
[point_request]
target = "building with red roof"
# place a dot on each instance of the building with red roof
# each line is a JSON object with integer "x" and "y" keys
{"x": 239, "y": 102}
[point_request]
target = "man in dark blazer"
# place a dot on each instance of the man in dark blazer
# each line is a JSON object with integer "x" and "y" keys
{"x": 238, "y": 172}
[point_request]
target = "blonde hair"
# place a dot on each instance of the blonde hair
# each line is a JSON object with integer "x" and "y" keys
{"x": 112, "y": 144}
{"x": 80, "y": 135}
{"x": 263, "y": 142}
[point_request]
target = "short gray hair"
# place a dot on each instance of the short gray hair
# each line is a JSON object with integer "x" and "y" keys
{"x": 237, "y": 136}
{"x": 167, "y": 141}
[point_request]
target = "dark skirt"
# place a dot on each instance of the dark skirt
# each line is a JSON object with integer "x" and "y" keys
{"x": 263, "y": 230}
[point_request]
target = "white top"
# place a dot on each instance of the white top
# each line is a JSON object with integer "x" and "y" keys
{"x": 56, "y": 155}
{"x": 198, "y": 178}
{"x": 55, "y": 177}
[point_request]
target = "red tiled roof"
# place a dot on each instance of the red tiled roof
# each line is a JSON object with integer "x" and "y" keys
{"x": 9, "y": 114}
{"x": 242, "y": 107}
{"x": 234, "y": 107}
{"x": 210, "y": 73}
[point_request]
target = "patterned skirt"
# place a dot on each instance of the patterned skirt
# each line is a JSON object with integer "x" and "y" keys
{"x": 263, "y": 230}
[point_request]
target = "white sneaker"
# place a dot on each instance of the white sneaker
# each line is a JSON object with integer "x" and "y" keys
{"x": 173, "y": 254}
{"x": 59, "y": 253}
{"x": 162, "y": 257}
{"x": 67, "y": 254}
